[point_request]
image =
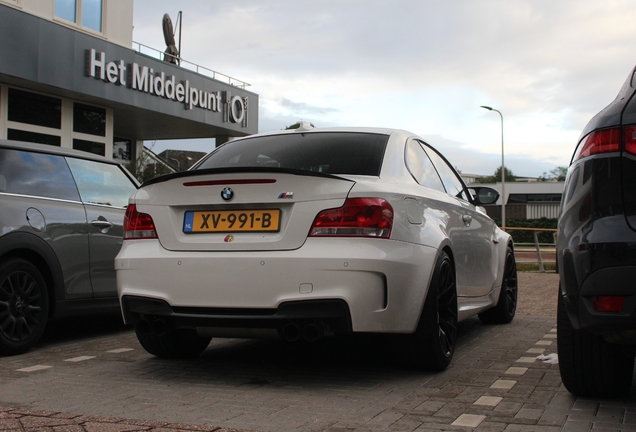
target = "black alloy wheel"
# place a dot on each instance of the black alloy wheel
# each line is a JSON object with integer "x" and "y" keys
{"x": 433, "y": 344}
{"x": 24, "y": 306}
{"x": 506, "y": 307}
{"x": 447, "y": 309}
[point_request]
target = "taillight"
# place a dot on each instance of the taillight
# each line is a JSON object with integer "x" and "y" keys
{"x": 358, "y": 217}
{"x": 607, "y": 141}
{"x": 600, "y": 141}
{"x": 607, "y": 303}
{"x": 138, "y": 225}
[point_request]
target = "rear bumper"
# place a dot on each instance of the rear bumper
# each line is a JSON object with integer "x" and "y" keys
{"x": 612, "y": 281}
{"x": 330, "y": 314}
{"x": 381, "y": 284}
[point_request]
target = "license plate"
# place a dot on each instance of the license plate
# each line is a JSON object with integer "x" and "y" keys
{"x": 231, "y": 221}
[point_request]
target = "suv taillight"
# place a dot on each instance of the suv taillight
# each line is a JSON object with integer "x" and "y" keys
{"x": 358, "y": 217}
{"x": 607, "y": 141}
{"x": 138, "y": 225}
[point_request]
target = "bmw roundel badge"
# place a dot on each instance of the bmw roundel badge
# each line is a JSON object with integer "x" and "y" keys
{"x": 227, "y": 194}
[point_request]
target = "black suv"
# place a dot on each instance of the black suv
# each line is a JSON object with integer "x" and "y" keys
{"x": 61, "y": 215}
{"x": 596, "y": 253}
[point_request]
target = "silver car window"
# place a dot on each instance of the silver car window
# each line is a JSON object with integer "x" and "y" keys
{"x": 101, "y": 183}
{"x": 36, "y": 174}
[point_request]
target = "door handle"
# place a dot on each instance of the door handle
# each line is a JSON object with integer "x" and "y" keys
{"x": 103, "y": 225}
{"x": 467, "y": 219}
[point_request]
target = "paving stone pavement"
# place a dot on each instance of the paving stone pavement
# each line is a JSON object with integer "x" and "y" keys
{"x": 94, "y": 376}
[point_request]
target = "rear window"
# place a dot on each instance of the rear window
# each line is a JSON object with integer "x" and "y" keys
{"x": 325, "y": 152}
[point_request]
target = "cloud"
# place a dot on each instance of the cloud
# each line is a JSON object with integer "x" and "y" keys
{"x": 424, "y": 66}
{"x": 304, "y": 108}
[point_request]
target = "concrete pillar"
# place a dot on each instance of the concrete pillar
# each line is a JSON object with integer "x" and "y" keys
{"x": 222, "y": 139}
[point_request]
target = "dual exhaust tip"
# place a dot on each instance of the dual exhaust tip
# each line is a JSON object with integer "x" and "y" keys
{"x": 291, "y": 332}
{"x": 158, "y": 327}
{"x": 310, "y": 332}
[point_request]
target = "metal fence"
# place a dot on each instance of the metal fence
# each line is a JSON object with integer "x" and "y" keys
{"x": 536, "y": 252}
{"x": 160, "y": 55}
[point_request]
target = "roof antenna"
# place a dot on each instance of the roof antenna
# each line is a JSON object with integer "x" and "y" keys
{"x": 172, "y": 53}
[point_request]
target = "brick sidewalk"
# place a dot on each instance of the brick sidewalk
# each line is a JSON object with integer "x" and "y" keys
{"x": 14, "y": 419}
{"x": 495, "y": 383}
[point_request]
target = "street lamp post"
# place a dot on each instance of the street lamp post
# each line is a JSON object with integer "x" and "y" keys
{"x": 503, "y": 171}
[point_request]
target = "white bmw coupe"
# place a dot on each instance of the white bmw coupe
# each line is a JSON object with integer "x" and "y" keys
{"x": 310, "y": 233}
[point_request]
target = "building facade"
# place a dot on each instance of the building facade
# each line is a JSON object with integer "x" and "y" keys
{"x": 69, "y": 77}
{"x": 528, "y": 200}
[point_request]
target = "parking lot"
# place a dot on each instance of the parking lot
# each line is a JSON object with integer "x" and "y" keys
{"x": 87, "y": 375}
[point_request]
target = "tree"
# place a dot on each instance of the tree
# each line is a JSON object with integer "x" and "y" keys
{"x": 557, "y": 174}
{"x": 496, "y": 177}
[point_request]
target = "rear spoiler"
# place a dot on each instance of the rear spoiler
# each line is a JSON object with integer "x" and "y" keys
{"x": 213, "y": 171}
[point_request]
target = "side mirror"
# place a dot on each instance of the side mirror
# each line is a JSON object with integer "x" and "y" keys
{"x": 483, "y": 195}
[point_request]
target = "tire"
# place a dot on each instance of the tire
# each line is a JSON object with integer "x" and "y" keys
{"x": 24, "y": 306}
{"x": 432, "y": 345}
{"x": 590, "y": 366}
{"x": 506, "y": 307}
{"x": 176, "y": 344}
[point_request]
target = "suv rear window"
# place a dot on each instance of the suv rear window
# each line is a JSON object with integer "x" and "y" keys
{"x": 325, "y": 152}
{"x": 36, "y": 174}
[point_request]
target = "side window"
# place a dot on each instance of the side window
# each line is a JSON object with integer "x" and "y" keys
{"x": 101, "y": 183}
{"x": 452, "y": 183}
{"x": 421, "y": 167}
{"x": 36, "y": 174}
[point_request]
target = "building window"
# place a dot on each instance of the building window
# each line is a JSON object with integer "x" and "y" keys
{"x": 87, "y": 13}
{"x": 34, "y": 137}
{"x": 121, "y": 149}
{"x": 66, "y": 9}
{"x": 34, "y": 109}
{"x": 534, "y": 198}
{"x": 89, "y": 119}
{"x": 92, "y": 14}
{"x": 98, "y": 148}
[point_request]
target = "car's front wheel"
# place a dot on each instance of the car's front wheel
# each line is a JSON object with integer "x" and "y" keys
{"x": 432, "y": 345}
{"x": 590, "y": 366}
{"x": 24, "y": 306}
{"x": 176, "y": 344}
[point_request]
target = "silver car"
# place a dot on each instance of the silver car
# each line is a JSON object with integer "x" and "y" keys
{"x": 60, "y": 229}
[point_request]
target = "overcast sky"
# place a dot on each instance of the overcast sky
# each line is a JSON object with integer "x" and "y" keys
{"x": 425, "y": 66}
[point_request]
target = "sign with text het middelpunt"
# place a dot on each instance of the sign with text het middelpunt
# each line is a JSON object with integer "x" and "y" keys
{"x": 145, "y": 79}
